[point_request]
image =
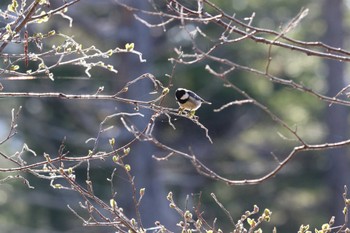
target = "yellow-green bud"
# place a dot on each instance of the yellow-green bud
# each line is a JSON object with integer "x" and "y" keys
{"x": 142, "y": 191}
{"x": 127, "y": 167}
{"x": 115, "y": 158}
{"x": 112, "y": 203}
{"x": 126, "y": 151}
{"x": 129, "y": 47}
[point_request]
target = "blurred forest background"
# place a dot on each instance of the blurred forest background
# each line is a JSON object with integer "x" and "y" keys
{"x": 308, "y": 190}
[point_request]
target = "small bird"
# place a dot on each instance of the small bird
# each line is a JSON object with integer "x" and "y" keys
{"x": 188, "y": 100}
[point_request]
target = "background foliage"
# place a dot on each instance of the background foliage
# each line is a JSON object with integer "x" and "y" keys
{"x": 247, "y": 141}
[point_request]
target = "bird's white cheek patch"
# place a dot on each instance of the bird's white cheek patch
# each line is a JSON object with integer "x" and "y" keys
{"x": 185, "y": 96}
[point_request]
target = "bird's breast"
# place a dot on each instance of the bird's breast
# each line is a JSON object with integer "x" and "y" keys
{"x": 190, "y": 105}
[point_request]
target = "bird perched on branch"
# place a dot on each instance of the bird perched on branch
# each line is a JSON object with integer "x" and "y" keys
{"x": 188, "y": 100}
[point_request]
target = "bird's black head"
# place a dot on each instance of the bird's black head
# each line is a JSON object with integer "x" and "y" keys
{"x": 179, "y": 94}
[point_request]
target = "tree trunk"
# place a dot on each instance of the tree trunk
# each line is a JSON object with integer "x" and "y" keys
{"x": 154, "y": 206}
{"x": 338, "y": 174}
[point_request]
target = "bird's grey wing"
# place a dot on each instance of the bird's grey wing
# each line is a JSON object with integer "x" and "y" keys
{"x": 195, "y": 96}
